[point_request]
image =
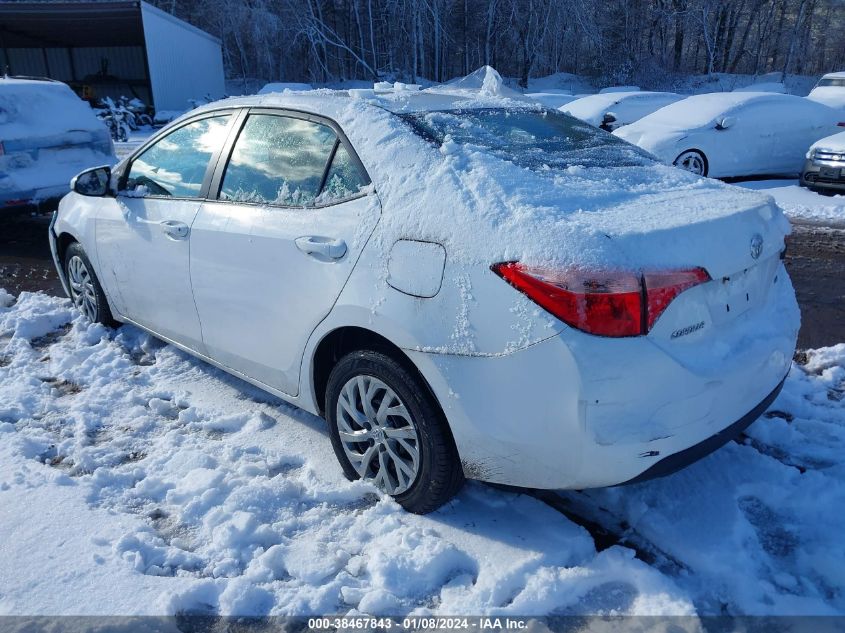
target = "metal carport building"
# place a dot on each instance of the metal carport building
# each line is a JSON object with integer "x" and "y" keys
{"x": 112, "y": 49}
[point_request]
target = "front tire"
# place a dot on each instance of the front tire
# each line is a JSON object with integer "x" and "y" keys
{"x": 85, "y": 289}
{"x": 692, "y": 161}
{"x": 387, "y": 428}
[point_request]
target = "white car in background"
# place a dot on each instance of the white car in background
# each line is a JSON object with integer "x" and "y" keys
{"x": 731, "y": 134}
{"x": 825, "y": 166}
{"x": 611, "y": 110}
{"x": 411, "y": 266}
{"x": 47, "y": 136}
{"x": 830, "y": 90}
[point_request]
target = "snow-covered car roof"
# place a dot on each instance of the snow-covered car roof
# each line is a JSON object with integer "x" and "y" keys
{"x": 41, "y": 108}
{"x": 836, "y": 75}
{"x": 701, "y": 110}
{"x": 591, "y": 106}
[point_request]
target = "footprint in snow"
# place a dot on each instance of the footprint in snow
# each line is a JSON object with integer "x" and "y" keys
{"x": 40, "y": 342}
{"x": 775, "y": 538}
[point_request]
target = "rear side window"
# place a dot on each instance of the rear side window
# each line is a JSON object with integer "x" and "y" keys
{"x": 344, "y": 179}
{"x": 278, "y": 160}
{"x": 175, "y": 165}
{"x": 826, "y": 82}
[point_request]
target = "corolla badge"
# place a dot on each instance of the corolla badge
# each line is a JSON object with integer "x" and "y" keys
{"x": 756, "y": 245}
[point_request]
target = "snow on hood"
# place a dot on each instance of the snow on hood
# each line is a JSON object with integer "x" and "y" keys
{"x": 835, "y": 143}
{"x": 833, "y": 96}
{"x": 42, "y": 108}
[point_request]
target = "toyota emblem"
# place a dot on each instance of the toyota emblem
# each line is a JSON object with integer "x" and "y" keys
{"x": 756, "y": 246}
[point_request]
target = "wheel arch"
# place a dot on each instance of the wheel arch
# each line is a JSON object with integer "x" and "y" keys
{"x": 345, "y": 339}
{"x": 63, "y": 240}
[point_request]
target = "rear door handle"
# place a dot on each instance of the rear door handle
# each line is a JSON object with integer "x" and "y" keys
{"x": 175, "y": 229}
{"x": 323, "y": 247}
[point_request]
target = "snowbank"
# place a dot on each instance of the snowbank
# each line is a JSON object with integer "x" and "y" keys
{"x": 134, "y": 479}
{"x": 161, "y": 485}
{"x": 799, "y": 203}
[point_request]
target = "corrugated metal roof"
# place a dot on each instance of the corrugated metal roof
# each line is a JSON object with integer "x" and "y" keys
{"x": 77, "y": 24}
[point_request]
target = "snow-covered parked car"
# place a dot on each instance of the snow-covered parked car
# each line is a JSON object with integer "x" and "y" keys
{"x": 730, "y": 134}
{"x": 612, "y": 110}
{"x": 47, "y": 136}
{"x": 824, "y": 168}
{"x": 830, "y": 90}
{"x": 463, "y": 288}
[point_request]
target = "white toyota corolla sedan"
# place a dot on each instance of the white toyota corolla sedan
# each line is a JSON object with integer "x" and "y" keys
{"x": 461, "y": 286}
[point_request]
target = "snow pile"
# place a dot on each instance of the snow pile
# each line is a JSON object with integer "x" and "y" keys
{"x": 485, "y": 80}
{"x": 770, "y": 86}
{"x": 164, "y": 486}
{"x": 801, "y": 204}
{"x": 134, "y": 479}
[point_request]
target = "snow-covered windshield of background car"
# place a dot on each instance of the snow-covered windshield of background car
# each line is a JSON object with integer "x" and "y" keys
{"x": 536, "y": 139}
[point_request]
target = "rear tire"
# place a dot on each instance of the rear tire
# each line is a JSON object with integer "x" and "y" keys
{"x": 692, "y": 161}
{"x": 385, "y": 421}
{"x": 85, "y": 289}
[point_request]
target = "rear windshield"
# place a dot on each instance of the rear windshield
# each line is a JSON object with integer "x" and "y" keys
{"x": 831, "y": 81}
{"x": 536, "y": 139}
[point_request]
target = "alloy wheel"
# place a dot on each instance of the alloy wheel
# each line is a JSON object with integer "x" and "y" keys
{"x": 378, "y": 435}
{"x": 692, "y": 162}
{"x": 82, "y": 291}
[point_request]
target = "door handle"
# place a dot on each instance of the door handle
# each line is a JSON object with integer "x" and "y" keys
{"x": 173, "y": 228}
{"x": 323, "y": 247}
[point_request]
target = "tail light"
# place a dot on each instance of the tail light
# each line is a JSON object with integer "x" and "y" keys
{"x": 605, "y": 303}
{"x": 2, "y": 149}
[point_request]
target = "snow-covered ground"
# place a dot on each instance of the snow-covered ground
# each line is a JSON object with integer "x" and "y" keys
{"x": 135, "y": 140}
{"x": 135, "y": 479}
{"x": 801, "y": 204}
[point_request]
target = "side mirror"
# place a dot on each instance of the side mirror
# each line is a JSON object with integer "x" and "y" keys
{"x": 92, "y": 182}
{"x": 607, "y": 121}
{"x": 725, "y": 122}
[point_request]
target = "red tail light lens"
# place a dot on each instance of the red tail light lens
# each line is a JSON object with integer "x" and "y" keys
{"x": 605, "y": 303}
{"x": 662, "y": 288}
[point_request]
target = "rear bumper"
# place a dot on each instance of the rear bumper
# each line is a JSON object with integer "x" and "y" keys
{"x": 682, "y": 459}
{"x": 577, "y": 411}
{"x": 44, "y": 197}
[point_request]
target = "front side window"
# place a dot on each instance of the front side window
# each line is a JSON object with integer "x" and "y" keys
{"x": 175, "y": 166}
{"x": 278, "y": 160}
